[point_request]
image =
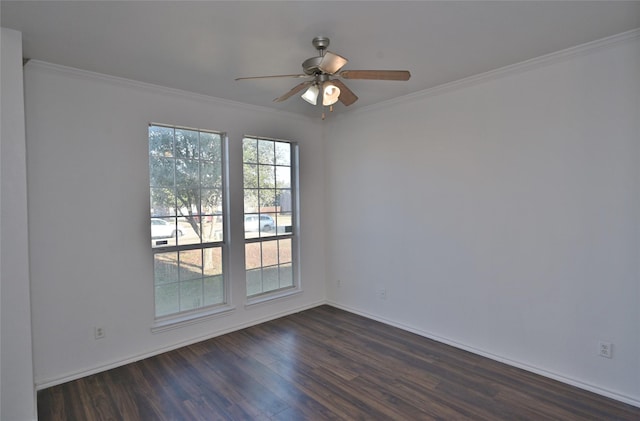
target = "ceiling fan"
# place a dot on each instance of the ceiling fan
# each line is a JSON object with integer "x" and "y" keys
{"x": 321, "y": 72}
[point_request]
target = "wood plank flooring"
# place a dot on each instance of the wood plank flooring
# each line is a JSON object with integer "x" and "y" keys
{"x": 322, "y": 364}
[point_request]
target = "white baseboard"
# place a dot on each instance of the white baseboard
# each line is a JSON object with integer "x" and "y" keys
{"x": 536, "y": 370}
{"x": 43, "y": 384}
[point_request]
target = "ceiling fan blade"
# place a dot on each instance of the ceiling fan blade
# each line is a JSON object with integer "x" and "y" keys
{"x": 331, "y": 62}
{"x": 293, "y": 91}
{"x": 376, "y": 74}
{"x": 270, "y": 77}
{"x": 347, "y": 97}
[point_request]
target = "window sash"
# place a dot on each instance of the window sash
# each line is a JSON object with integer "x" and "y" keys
{"x": 198, "y": 157}
{"x": 258, "y": 163}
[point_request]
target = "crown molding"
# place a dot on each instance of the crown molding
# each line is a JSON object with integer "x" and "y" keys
{"x": 157, "y": 89}
{"x": 523, "y": 66}
{"x": 511, "y": 69}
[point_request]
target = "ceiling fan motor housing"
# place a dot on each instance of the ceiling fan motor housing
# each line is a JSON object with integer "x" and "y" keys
{"x": 310, "y": 65}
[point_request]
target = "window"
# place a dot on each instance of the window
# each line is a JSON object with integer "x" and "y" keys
{"x": 269, "y": 172}
{"x": 187, "y": 224}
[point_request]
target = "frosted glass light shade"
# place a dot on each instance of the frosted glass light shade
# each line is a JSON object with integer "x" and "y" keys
{"x": 311, "y": 95}
{"x": 330, "y": 93}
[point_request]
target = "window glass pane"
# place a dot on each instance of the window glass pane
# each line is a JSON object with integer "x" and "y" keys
{"x": 187, "y": 144}
{"x": 187, "y": 173}
{"x": 191, "y": 294}
{"x": 163, "y": 231}
{"x": 283, "y": 177}
{"x": 213, "y": 290}
{"x": 190, "y": 264}
{"x": 267, "y": 224}
{"x": 284, "y": 250}
{"x": 266, "y": 176}
{"x": 161, "y": 172}
{"x": 269, "y": 253}
{"x": 252, "y": 255}
{"x": 250, "y": 202}
{"x": 189, "y": 215}
{"x": 188, "y": 200}
{"x": 210, "y": 146}
{"x": 250, "y": 150}
{"x": 267, "y": 200}
{"x": 250, "y": 176}
{"x": 188, "y": 230}
{"x": 211, "y": 226}
{"x": 162, "y": 202}
{"x": 160, "y": 141}
{"x": 211, "y": 215}
{"x": 266, "y": 152}
{"x": 286, "y": 275}
{"x": 165, "y": 268}
{"x": 254, "y": 282}
{"x": 211, "y": 201}
{"x": 283, "y": 200}
{"x": 270, "y": 278}
{"x": 251, "y": 226}
{"x": 167, "y": 299}
{"x": 212, "y": 261}
{"x": 283, "y": 153}
{"x": 211, "y": 173}
{"x": 284, "y": 226}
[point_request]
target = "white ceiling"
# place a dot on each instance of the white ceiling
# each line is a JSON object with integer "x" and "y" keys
{"x": 202, "y": 46}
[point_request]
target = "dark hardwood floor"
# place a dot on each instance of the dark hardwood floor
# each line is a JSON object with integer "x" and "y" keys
{"x": 322, "y": 363}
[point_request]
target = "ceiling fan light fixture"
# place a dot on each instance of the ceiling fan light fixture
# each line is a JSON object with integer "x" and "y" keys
{"x": 330, "y": 93}
{"x": 311, "y": 95}
{"x": 320, "y": 70}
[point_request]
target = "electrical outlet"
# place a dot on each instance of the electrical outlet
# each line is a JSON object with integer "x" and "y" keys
{"x": 99, "y": 332}
{"x": 382, "y": 293}
{"x": 605, "y": 349}
{"x": 338, "y": 283}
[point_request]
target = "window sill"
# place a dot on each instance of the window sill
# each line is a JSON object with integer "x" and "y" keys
{"x": 182, "y": 320}
{"x": 270, "y": 297}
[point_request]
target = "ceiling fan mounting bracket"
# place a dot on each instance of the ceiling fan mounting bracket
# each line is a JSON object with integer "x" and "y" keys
{"x": 321, "y": 44}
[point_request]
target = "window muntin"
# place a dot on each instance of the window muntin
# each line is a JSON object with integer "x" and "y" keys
{"x": 269, "y": 189}
{"x": 186, "y": 209}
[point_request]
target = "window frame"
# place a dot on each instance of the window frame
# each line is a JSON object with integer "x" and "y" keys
{"x": 294, "y": 235}
{"x": 186, "y": 317}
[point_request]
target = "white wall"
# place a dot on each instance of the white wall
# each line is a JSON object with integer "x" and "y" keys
{"x": 91, "y": 263}
{"x": 501, "y": 215}
{"x": 17, "y": 397}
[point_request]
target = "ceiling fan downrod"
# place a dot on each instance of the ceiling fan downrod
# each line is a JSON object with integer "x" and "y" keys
{"x": 321, "y": 44}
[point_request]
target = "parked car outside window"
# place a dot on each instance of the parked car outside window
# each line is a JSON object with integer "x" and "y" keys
{"x": 251, "y": 223}
{"x": 163, "y": 229}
